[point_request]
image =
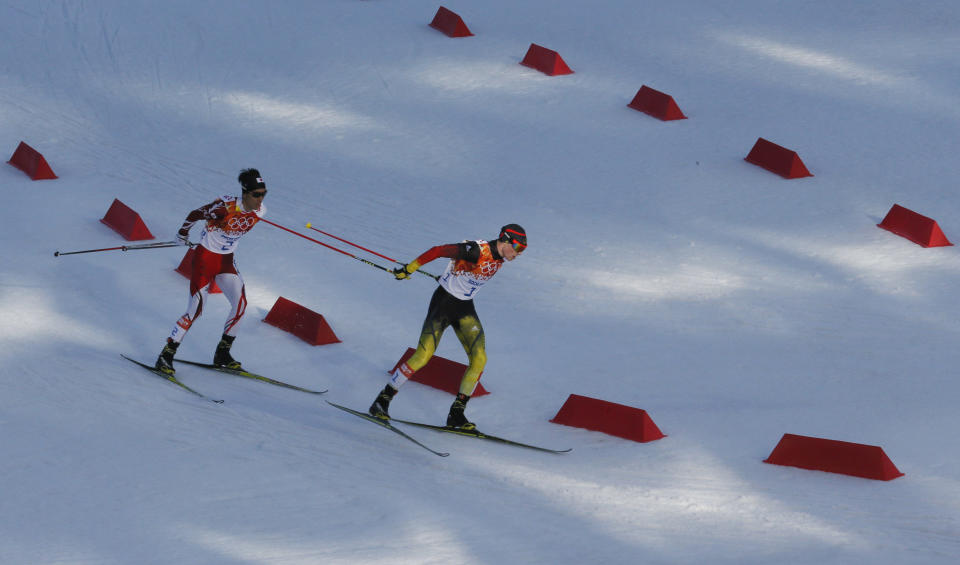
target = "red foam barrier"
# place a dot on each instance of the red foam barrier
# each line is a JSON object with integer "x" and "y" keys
{"x": 301, "y": 322}
{"x": 440, "y": 373}
{"x": 126, "y": 222}
{"x": 911, "y": 225}
{"x": 450, "y": 23}
{"x": 867, "y": 461}
{"x": 545, "y": 60}
{"x": 30, "y": 161}
{"x": 656, "y": 104}
{"x": 186, "y": 269}
{"x": 777, "y": 159}
{"x": 608, "y": 417}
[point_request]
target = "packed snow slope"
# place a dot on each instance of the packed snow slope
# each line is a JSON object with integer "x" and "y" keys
{"x": 664, "y": 273}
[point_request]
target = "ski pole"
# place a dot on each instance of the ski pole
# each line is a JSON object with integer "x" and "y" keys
{"x": 310, "y": 225}
{"x": 371, "y": 263}
{"x": 157, "y": 245}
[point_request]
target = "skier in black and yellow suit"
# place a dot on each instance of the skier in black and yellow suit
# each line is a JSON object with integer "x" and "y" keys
{"x": 472, "y": 264}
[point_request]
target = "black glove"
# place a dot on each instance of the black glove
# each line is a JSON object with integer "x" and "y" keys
{"x": 401, "y": 273}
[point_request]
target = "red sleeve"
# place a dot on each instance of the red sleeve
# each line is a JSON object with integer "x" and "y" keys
{"x": 211, "y": 211}
{"x": 450, "y": 250}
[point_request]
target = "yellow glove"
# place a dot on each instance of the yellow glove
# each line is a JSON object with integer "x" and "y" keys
{"x": 402, "y": 273}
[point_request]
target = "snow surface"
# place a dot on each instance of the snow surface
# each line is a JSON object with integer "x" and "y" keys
{"x": 664, "y": 273}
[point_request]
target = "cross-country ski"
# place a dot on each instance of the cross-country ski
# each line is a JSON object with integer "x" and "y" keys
{"x": 386, "y": 424}
{"x": 249, "y": 375}
{"x": 170, "y": 378}
{"x": 479, "y": 435}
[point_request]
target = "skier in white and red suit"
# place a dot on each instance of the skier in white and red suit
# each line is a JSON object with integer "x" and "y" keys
{"x": 472, "y": 264}
{"x": 226, "y": 220}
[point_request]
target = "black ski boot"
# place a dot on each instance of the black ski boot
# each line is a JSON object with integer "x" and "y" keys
{"x": 456, "y": 419}
{"x": 165, "y": 360}
{"x": 381, "y": 405}
{"x": 222, "y": 357}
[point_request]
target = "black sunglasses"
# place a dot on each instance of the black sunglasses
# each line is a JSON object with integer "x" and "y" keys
{"x": 259, "y": 194}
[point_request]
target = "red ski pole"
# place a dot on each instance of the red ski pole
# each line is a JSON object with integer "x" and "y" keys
{"x": 310, "y": 225}
{"x": 371, "y": 263}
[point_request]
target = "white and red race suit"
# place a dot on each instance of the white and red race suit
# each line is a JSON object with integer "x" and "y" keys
{"x": 470, "y": 269}
{"x": 226, "y": 221}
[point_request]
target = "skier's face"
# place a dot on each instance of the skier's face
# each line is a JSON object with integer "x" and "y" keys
{"x": 253, "y": 198}
{"x": 506, "y": 250}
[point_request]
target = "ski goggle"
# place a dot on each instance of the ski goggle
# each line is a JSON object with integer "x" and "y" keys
{"x": 517, "y": 246}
